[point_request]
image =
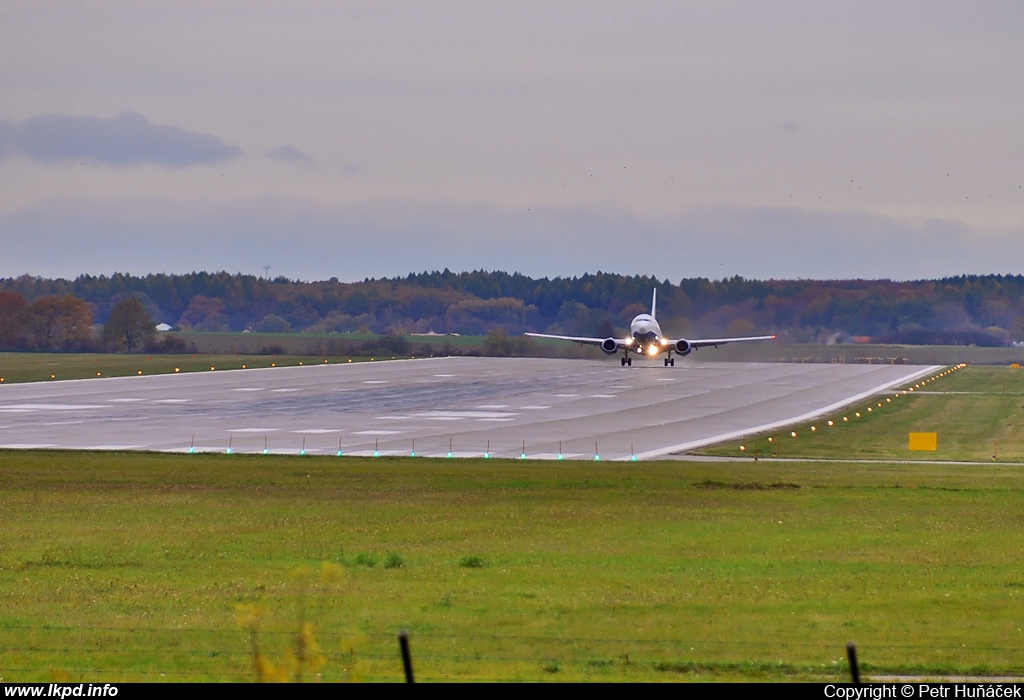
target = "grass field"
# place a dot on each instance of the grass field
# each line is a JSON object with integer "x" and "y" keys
{"x": 43, "y": 367}
{"x": 153, "y": 567}
{"x": 976, "y": 412}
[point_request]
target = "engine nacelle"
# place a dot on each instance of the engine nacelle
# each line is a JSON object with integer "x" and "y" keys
{"x": 610, "y": 346}
{"x": 683, "y": 347}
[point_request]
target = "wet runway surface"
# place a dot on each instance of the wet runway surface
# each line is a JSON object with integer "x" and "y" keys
{"x": 466, "y": 405}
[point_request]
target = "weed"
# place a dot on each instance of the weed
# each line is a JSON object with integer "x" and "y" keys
{"x": 472, "y": 561}
{"x": 366, "y": 559}
{"x": 394, "y": 561}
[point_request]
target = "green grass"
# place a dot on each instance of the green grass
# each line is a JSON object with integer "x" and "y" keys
{"x": 976, "y": 412}
{"x": 18, "y": 367}
{"x": 150, "y": 567}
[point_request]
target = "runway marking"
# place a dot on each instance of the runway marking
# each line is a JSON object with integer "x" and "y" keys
{"x": 493, "y": 405}
{"x": 25, "y": 407}
{"x": 622, "y": 386}
{"x": 378, "y": 432}
{"x": 172, "y": 400}
{"x": 495, "y": 420}
{"x": 111, "y": 448}
{"x": 316, "y": 431}
{"x": 26, "y": 446}
{"x": 464, "y": 414}
{"x": 445, "y": 418}
{"x": 125, "y": 400}
{"x": 64, "y": 422}
{"x": 534, "y": 408}
{"x": 566, "y": 396}
{"x": 252, "y": 430}
{"x": 285, "y": 391}
{"x": 250, "y": 388}
{"x": 603, "y": 396}
{"x": 444, "y": 375}
{"x": 374, "y": 381}
{"x": 666, "y": 379}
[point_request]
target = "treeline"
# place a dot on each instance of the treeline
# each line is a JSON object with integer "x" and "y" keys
{"x": 964, "y": 309}
{"x": 64, "y": 323}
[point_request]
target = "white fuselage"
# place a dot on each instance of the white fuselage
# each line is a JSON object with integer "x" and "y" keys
{"x": 646, "y": 335}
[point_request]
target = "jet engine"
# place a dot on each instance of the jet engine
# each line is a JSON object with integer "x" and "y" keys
{"x": 683, "y": 347}
{"x": 610, "y": 346}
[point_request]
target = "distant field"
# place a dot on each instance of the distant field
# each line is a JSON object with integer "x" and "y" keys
{"x": 38, "y": 367}
{"x": 976, "y": 412}
{"x": 118, "y": 567}
{"x": 317, "y": 344}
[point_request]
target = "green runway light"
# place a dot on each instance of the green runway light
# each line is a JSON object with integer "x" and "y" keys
{"x": 376, "y": 453}
{"x": 266, "y": 451}
{"x": 412, "y": 454}
{"x": 597, "y": 458}
{"x": 228, "y": 451}
{"x": 560, "y": 456}
{"x": 339, "y": 453}
{"x": 633, "y": 458}
{"x": 302, "y": 453}
{"x": 522, "y": 455}
{"x": 191, "y": 450}
{"x": 487, "y": 455}
{"x": 449, "y": 455}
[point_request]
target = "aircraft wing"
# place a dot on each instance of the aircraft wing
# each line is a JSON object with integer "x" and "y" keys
{"x": 575, "y": 339}
{"x": 715, "y": 342}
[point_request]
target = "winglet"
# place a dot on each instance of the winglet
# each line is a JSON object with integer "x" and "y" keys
{"x": 654, "y": 303}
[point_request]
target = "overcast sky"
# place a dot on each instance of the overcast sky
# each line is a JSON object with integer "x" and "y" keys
{"x": 356, "y": 139}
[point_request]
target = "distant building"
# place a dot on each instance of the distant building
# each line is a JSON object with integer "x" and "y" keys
{"x": 163, "y": 327}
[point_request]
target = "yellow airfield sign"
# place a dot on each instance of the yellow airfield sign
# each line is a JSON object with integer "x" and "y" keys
{"x": 923, "y": 441}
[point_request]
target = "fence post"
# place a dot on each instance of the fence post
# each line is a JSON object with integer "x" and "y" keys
{"x": 851, "y": 656}
{"x": 403, "y": 642}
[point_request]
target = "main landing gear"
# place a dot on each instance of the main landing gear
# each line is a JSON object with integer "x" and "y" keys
{"x": 670, "y": 361}
{"x": 626, "y": 360}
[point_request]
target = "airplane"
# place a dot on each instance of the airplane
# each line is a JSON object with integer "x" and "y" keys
{"x": 646, "y": 340}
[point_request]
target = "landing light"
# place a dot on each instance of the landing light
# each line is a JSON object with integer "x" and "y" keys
{"x": 830, "y": 424}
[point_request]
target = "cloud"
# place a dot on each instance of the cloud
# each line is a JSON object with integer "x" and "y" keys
{"x": 125, "y": 140}
{"x": 290, "y": 154}
{"x": 392, "y": 237}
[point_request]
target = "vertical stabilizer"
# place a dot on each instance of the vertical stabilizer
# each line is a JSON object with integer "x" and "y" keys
{"x": 654, "y": 304}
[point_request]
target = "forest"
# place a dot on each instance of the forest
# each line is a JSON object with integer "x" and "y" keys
{"x": 60, "y": 314}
